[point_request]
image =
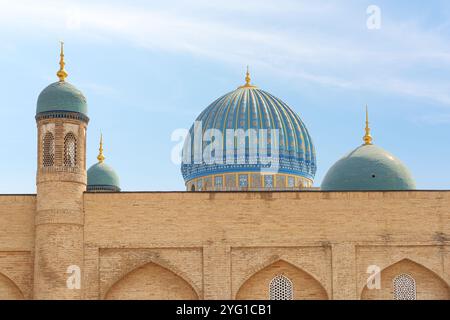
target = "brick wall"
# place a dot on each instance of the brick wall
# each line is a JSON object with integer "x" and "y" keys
{"x": 228, "y": 245}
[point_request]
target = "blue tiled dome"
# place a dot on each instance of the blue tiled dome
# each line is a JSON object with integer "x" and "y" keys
{"x": 61, "y": 96}
{"x": 251, "y": 108}
{"x": 102, "y": 177}
{"x": 368, "y": 167}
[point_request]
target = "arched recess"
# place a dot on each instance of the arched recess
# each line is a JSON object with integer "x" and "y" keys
{"x": 305, "y": 286}
{"x": 70, "y": 150}
{"x": 9, "y": 290}
{"x": 429, "y": 286}
{"x": 151, "y": 282}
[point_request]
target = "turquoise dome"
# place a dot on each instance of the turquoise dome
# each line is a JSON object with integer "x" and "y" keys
{"x": 249, "y": 107}
{"x": 61, "y": 96}
{"x": 368, "y": 167}
{"x": 101, "y": 177}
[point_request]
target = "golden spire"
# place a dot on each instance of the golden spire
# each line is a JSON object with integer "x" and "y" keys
{"x": 62, "y": 74}
{"x": 367, "y": 137}
{"x": 247, "y": 78}
{"x": 247, "y": 81}
{"x": 100, "y": 156}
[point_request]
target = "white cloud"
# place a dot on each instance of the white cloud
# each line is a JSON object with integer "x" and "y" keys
{"x": 312, "y": 42}
{"x": 433, "y": 119}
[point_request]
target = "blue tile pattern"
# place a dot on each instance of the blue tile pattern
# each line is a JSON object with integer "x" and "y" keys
{"x": 253, "y": 108}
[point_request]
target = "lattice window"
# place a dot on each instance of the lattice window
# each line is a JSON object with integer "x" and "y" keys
{"x": 291, "y": 182}
{"x": 281, "y": 288}
{"x": 48, "y": 144}
{"x": 404, "y": 287}
{"x": 268, "y": 181}
{"x": 218, "y": 182}
{"x": 243, "y": 180}
{"x": 199, "y": 184}
{"x": 70, "y": 150}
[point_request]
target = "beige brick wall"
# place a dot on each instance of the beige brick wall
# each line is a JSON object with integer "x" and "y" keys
{"x": 226, "y": 245}
{"x": 17, "y": 222}
{"x": 241, "y": 234}
{"x": 16, "y": 245}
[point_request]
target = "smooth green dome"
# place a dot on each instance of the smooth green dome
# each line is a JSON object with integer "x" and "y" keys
{"x": 61, "y": 96}
{"x": 101, "y": 177}
{"x": 368, "y": 167}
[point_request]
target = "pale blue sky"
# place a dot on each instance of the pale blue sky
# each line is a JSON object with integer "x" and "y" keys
{"x": 150, "y": 67}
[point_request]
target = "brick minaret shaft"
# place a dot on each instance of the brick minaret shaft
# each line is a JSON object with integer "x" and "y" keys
{"x": 61, "y": 181}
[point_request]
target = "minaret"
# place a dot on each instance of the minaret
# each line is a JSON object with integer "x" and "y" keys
{"x": 61, "y": 118}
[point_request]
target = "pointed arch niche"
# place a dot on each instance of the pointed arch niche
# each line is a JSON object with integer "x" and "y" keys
{"x": 303, "y": 285}
{"x": 151, "y": 282}
{"x": 427, "y": 284}
{"x": 9, "y": 290}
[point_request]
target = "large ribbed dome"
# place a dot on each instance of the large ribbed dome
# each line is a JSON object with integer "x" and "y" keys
{"x": 251, "y": 108}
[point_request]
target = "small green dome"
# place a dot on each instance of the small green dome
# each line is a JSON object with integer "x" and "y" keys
{"x": 368, "y": 167}
{"x": 101, "y": 177}
{"x": 61, "y": 96}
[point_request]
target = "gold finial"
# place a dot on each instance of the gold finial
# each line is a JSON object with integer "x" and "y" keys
{"x": 247, "y": 78}
{"x": 247, "y": 81}
{"x": 62, "y": 74}
{"x": 367, "y": 137}
{"x": 100, "y": 156}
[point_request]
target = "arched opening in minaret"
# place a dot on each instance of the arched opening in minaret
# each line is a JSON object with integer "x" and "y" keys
{"x": 70, "y": 150}
{"x": 48, "y": 158}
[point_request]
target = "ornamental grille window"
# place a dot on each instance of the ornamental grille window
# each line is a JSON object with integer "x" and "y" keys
{"x": 404, "y": 287}
{"x": 291, "y": 182}
{"x": 48, "y": 144}
{"x": 281, "y": 288}
{"x": 199, "y": 184}
{"x": 218, "y": 182}
{"x": 70, "y": 150}
{"x": 243, "y": 180}
{"x": 268, "y": 181}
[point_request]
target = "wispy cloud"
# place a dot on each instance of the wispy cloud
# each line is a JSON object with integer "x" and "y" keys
{"x": 433, "y": 119}
{"x": 318, "y": 41}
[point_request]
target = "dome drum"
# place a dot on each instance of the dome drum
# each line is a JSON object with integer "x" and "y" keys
{"x": 103, "y": 188}
{"x": 248, "y": 181}
{"x": 62, "y": 115}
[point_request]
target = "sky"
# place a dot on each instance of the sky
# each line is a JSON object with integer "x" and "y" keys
{"x": 148, "y": 68}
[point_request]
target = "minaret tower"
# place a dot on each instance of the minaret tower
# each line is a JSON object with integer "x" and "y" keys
{"x": 61, "y": 118}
